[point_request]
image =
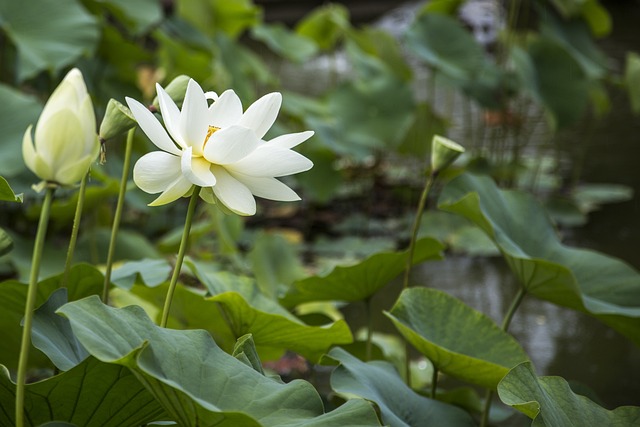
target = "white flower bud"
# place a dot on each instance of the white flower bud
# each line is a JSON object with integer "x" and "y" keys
{"x": 65, "y": 137}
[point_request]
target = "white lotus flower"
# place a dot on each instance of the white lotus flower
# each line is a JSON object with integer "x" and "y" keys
{"x": 217, "y": 147}
{"x": 66, "y": 142}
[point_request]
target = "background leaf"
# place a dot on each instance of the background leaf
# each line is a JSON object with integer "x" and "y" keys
{"x": 360, "y": 281}
{"x": 40, "y": 31}
{"x": 17, "y": 112}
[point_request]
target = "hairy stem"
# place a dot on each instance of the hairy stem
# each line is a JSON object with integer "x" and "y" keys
{"x": 74, "y": 231}
{"x": 30, "y": 304}
{"x": 183, "y": 249}
{"x": 118, "y": 215}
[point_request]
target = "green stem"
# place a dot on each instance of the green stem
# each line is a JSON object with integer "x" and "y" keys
{"x": 32, "y": 292}
{"x": 183, "y": 249}
{"x": 505, "y": 327}
{"x": 369, "y": 329}
{"x": 416, "y": 225}
{"x": 118, "y": 214}
{"x": 74, "y": 230}
{"x": 412, "y": 247}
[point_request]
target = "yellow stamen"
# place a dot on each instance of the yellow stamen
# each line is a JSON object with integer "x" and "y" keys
{"x": 211, "y": 131}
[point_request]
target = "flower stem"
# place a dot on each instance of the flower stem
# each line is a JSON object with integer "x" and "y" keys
{"x": 118, "y": 215}
{"x": 32, "y": 292}
{"x": 368, "y": 351}
{"x": 412, "y": 247}
{"x": 416, "y": 225}
{"x": 74, "y": 230}
{"x": 183, "y": 249}
{"x": 505, "y": 326}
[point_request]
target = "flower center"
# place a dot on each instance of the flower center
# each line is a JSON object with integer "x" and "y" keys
{"x": 211, "y": 131}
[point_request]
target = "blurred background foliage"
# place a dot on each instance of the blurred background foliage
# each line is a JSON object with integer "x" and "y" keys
{"x": 374, "y": 92}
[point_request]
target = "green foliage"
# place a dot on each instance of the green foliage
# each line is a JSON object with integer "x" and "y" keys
{"x": 103, "y": 394}
{"x": 40, "y": 31}
{"x": 52, "y": 334}
{"x": 191, "y": 376}
{"x": 360, "y": 281}
{"x": 249, "y": 294}
{"x": 325, "y": 25}
{"x": 602, "y": 286}
{"x": 17, "y": 112}
{"x": 399, "y": 406}
{"x": 287, "y": 44}
{"x": 458, "y": 340}
{"x": 549, "y": 401}
{"x": 84, "y": 280}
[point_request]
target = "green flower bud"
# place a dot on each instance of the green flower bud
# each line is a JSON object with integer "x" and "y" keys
{"x": 443, "y": 153}
{"x": 176, "y": 90}
{"x": 117, "y": 120}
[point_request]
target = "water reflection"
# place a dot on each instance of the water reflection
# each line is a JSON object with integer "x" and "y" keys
{"x": 559, "y": 341}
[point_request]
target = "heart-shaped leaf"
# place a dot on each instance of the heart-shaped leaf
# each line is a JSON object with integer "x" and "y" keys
{"x": 379, "y": 382}
{"x": 549, "y": 401}
{"x": 580, "y": 279}
{"x": 458, "y": 340}
{"x": 193, "y": 379}
{"x": 360, "y": 281}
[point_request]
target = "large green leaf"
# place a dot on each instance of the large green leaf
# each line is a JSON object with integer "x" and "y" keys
{"x": 550, "y": 402}
{"x": 360, "y": 281}
{"x": 379, "y": 382}
{"x": 83, "y": 280}
{"x": 17, "y": 112}
{"x": 51, "y": 333}
{"x": 91, "y": 394}
{"x": 554, "y": 78}
{"x": 49, "y": 34}
{"x": 458, "y": 340}
{"x": 229, "y": 315}
{"x": 194, "y": 380}
{"x": 581, "y": 279}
